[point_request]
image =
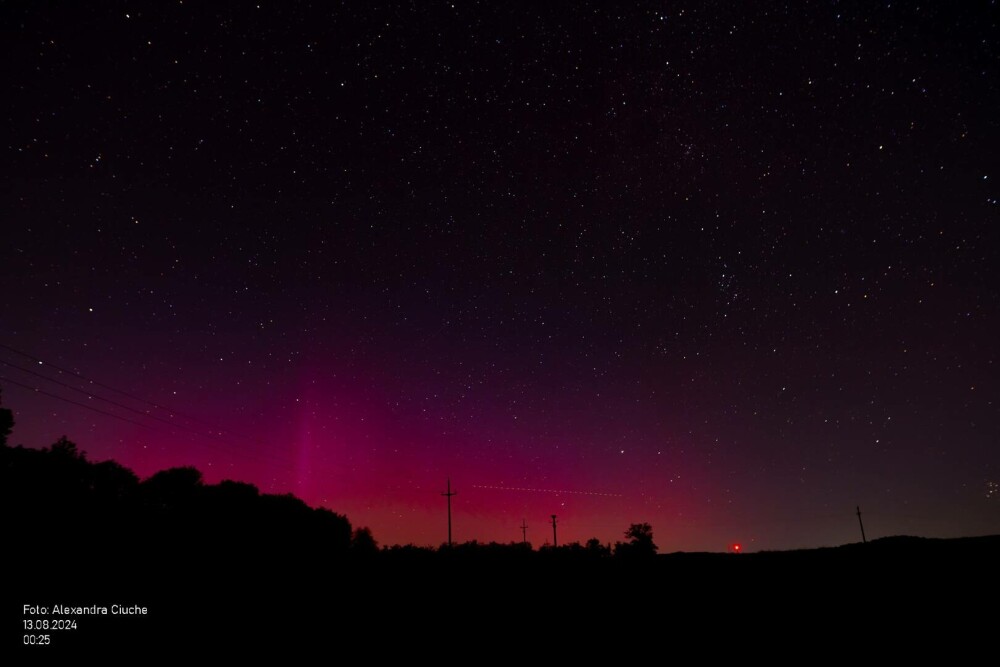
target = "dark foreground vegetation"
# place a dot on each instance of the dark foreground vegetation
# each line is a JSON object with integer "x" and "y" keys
{"x": 225, "y": 566}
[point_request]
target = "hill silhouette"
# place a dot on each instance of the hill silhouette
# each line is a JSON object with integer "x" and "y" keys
{"x": 256, "y": 569}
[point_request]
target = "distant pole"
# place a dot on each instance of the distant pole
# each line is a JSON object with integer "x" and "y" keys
{"x": 555, "y": 542}
{"x": 524, "y": 532}
{"x": 860, "y": 523}
{"x": 448, "y": 495}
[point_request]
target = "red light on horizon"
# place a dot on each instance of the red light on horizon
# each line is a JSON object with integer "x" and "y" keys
{"x": 737, "y": 548}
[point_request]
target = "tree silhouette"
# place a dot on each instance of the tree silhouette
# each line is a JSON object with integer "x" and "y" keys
{"x": 55, "y": 496}
{"x": 595, "y": 547}
{"x": 333, "y": 529}
{"x": 174, "y": 488}
{"x": 640, "y": 542}
{"x": 111, "y": 482}
{"x": 6, "y": 423}
{"x": 363, "y": 542}
{"x": 69, "y": 474}
{"x": 66, "y": 450}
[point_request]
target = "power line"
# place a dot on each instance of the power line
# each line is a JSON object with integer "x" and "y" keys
{"x": 107, "y": 400}
{"x": 82, "y": 405}
{"x": 132, "y": 421}
{"x": 228, "y": 448}
{"x": 170, "y": 411}
{"x": 82, "y": 377}
{"x": 125, "y": 393}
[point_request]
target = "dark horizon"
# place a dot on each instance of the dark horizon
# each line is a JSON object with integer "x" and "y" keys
{"x": 104, "y": 562}
{"x": 57, "y": 495}
{"x": 729, "y": 271}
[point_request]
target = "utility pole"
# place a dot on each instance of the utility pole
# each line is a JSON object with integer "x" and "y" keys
{"x": 524, "y": 532}
{"x": 860, "y": 523}
{"x": 448, "y": 495}
{"x": 555, "y": 542}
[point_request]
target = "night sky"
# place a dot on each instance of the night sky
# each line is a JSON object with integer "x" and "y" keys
{"x": 731, "y": 269}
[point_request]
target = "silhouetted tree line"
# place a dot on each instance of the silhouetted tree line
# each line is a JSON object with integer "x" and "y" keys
{"x": 55, "y": 497}
{"x": 638, "y": 545}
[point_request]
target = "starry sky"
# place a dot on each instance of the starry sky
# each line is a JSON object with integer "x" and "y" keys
{"x": 727, "y": 268}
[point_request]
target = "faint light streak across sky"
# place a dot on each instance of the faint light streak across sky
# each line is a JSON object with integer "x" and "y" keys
{"x": 536, "y": 490}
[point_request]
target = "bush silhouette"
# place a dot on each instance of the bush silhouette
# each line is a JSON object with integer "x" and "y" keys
{"x": 640, "y": 542}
